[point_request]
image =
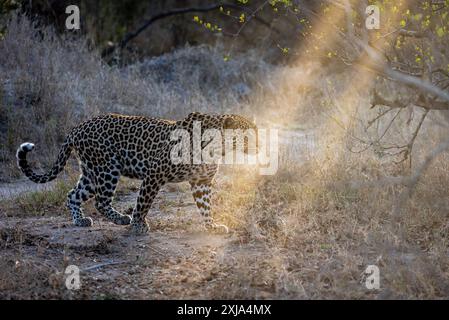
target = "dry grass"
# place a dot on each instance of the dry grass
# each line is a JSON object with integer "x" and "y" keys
{"x": 39, "y": 202}
{"x": 317, "y": 235}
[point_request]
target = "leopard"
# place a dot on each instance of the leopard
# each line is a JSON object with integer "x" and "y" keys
{"x": 112, "y": 145}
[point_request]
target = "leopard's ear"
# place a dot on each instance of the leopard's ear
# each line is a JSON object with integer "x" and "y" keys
{"x": 194, "y": 115}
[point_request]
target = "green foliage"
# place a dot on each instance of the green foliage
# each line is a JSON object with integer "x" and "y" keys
{"x": 208, "y": 25}
{"x": 285, "y": 3}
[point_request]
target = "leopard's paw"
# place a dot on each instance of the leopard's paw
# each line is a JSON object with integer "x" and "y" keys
{"x": 217, "y": 227}
{"x": 139, "y": 228}
{"x": 123, "y": 220}
{"x": 84, "y": 222}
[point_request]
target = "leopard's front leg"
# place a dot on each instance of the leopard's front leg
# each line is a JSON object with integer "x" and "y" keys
{"x": 148, "y": 191}
{"x": 202, "y": 195}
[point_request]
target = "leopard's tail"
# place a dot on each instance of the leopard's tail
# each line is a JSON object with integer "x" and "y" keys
{"x": 64, "y": 154}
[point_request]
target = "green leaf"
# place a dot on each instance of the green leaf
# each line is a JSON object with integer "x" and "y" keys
{"x": 440, "y": 31}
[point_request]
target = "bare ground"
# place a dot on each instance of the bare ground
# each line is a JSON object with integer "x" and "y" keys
{"x": 177, "y": 259}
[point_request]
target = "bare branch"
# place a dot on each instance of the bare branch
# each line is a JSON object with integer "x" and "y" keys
{"x": 131, "y": 35}
{"x": 411, "y": 182}
{"x": 411, "y": 33}
{"x": 380, "y": 65}
{"x": 377, "y": 64}
{"x": 409, "y": 147}
{"x": 378, "y": 100}
{"x": 408, "y": 181}
{"x": 370, "y": 122}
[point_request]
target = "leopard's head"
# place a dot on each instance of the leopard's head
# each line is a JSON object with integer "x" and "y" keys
{"x": 242, "y": 131}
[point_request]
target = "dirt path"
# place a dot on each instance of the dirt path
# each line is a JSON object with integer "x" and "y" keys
{"x": 178, "y": 259}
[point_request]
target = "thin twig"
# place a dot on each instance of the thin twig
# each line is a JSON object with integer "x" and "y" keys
{"x": 101, "y": 265}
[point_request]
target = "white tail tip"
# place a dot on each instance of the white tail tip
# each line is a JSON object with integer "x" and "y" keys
{"x": 27, "y": 146}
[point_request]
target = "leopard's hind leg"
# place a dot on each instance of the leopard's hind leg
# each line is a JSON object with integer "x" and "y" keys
{"x": 83, "y": 191}
{"x": 106, "y": 183}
